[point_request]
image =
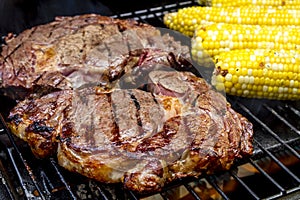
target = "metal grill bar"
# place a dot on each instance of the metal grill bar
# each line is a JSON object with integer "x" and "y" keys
{"x": 24, "y": 162}
{"x": 211, "y": 180}
{"x": 282, "y": 190}
{"x": 253, "y": 194}
{"x": 282, "y": 119}
{"x": 3, "y": 177}
{"x": 46, "y": 183}
{"x": 277, "y": 161}
{"x": 269, "y": 130}
{"x": 146, "y": 16}
{"x": 132, "y": 195}
{"x": 157, "y": 15}
{"x": 5, "y": 184}
{"x": 102, "y": 193}
{"x": 164, "y": 196}
{"x": 191, "y": 190}
{"x": 149, "y": 13}
{"x": 18, "y": 173}
{"x": 61, "y": 177}
{"x": 297, "y": 112}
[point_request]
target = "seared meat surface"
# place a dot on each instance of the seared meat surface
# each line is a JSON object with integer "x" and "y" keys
{"x": 116, "y": 101}
{"x": 73, "y": 51}
{"x": 143, "y": 138}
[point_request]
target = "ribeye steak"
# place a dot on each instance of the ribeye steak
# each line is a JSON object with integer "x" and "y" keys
{"x": 143, "y": 138}
{"x": 73, "y": 51}
{"x": 128, "y": 105}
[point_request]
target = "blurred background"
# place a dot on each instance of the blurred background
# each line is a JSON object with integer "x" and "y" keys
{"x": 17, "y": 15}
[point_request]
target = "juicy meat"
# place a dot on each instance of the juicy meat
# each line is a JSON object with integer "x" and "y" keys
{"x": 128, "y": 106}
{"x": 38, "y": 121}
{"x": 74, "y": 51}
{"x": 143, "y": 138}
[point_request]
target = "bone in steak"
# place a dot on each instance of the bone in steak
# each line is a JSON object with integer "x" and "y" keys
{"x": 143, "y": 138}
{"x": 73, "y": 51}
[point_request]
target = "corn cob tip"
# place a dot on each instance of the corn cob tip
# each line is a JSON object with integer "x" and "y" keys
{"x": 263, "y": 73}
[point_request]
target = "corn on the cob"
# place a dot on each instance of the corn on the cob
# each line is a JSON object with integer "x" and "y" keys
{"x": 187, "y": 19}
{"x": 221, "y": 37}
{"x": 276, "y": 3}
{"x": 259, "y": 73}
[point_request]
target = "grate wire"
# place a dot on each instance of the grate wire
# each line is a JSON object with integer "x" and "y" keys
{"x": 212, "y": 181}
{"x": 146, "y": 16}
{"x": 62, "y": 179}
{"x": 282, "y": 190}
{"x": 191, "y": 190}
{"x": 249, "y": 190}
{"x": 23, "y": 161}
{"x": 269, "y": 130}
{"x": 273, "y": 157}
{"x": 282, "y": 119}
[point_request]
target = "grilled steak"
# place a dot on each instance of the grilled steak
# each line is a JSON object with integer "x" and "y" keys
{"x": 143, "y": 138}
{"x": 128, "y": 107}
{"x": 73, "y": 51}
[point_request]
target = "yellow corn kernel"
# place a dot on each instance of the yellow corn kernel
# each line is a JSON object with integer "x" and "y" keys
{"x": 260, "y": 81}
{"x": 238, "y": 3}
{"x": 236, "y": 36}
{"x": 255, "y": 15}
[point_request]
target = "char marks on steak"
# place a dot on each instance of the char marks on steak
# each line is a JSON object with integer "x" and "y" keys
{"x": 147, "y": 121}
{"x": 142, "y": 138}
{"x": 74, "y": 51}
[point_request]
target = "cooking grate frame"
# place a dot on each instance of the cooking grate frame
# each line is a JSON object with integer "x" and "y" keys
{"x": 276, "y": 137}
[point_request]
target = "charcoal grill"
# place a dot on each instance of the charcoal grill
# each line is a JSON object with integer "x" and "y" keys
{"x": 273, "y": 172}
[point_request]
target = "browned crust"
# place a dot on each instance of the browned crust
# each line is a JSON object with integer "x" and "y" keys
{"x": 32, "y": 62}
{"x": 182, "y": 149}
{"x": 144, "y": 163}
{"x": 39, "y": 123}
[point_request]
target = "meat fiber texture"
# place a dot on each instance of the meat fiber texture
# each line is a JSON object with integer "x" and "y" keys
{"x": 142, "y": 117}
{"x": 73, "y": 51}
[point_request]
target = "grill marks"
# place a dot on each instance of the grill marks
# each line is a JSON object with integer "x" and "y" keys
{"x": 115, "y": 128}
{"x": 138, "y": 107}
{"x": 134, "y": 120}
{"x": 124, "y": 113}
{"x": 135, "y": 117}
{"x": 13, "y": 51}
{"x": 130, "y": 135}
{"x": 128, "y": 118}
{"x": 92, "y": 118}
{"x": 154, "y": 138}
{"x": 91, "y": 41}
{"x": 39, "y": 127}
{"x": 89, "y": 127}
{"x": 73, "y": 52}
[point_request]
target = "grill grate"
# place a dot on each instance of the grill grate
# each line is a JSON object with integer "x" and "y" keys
{"x": 272, "y": 172}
